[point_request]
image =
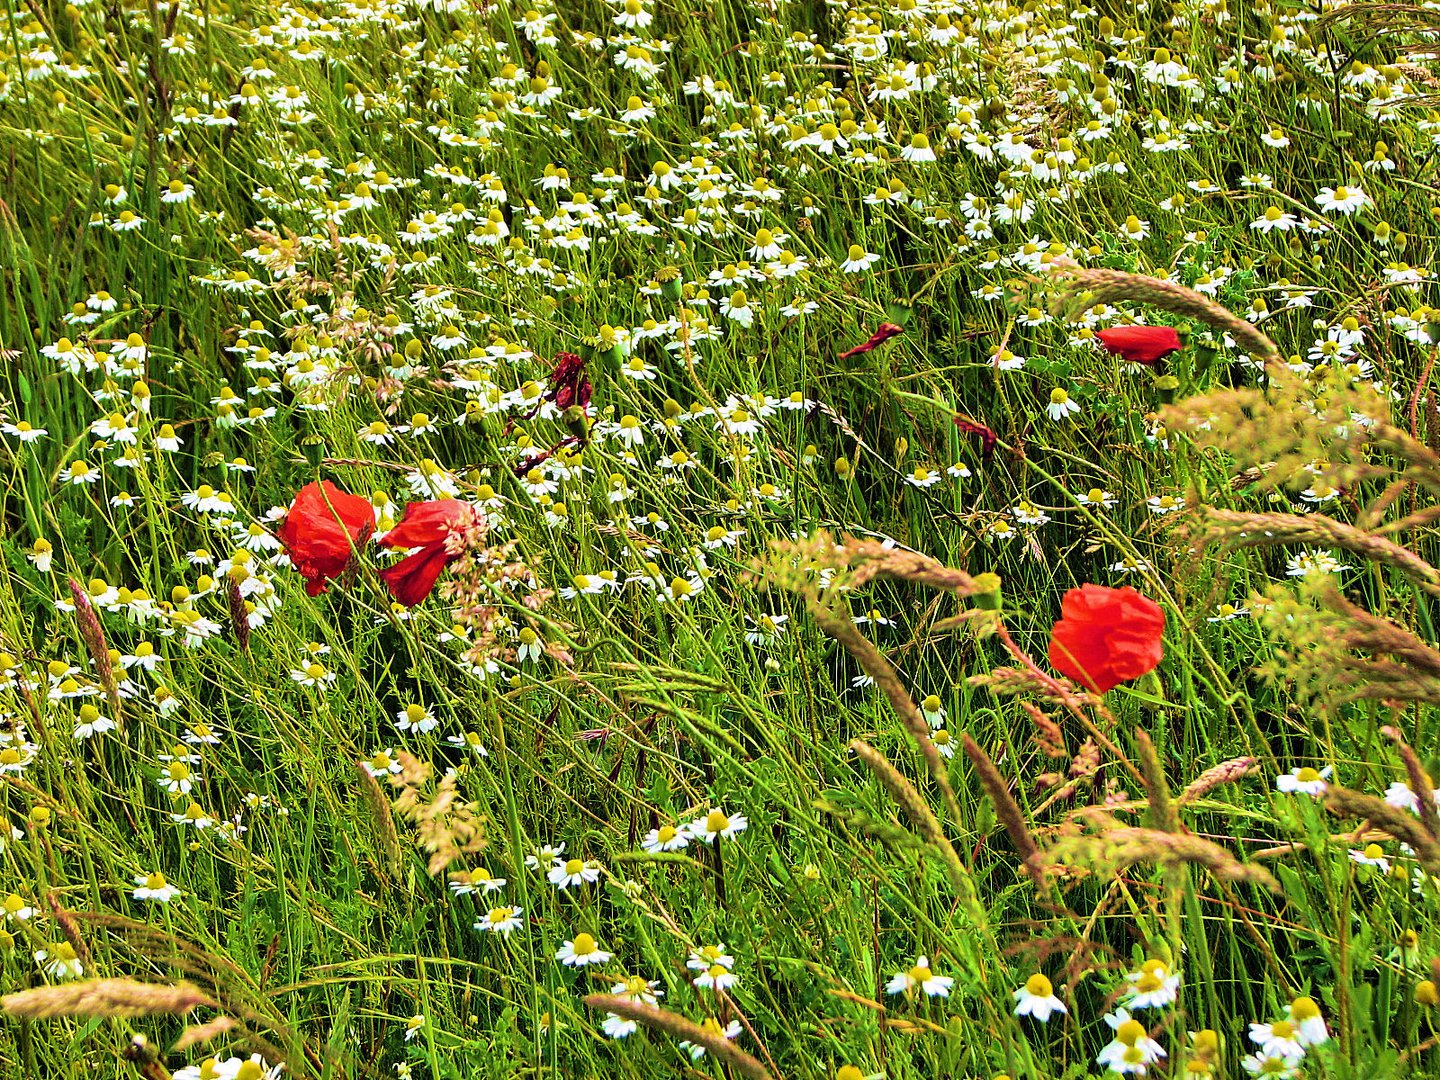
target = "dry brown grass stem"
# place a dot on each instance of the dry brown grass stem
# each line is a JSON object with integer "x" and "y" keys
{"x": 1006, "y": 808}
{"x": 679, "y": 1027}
{"x": 1419, "y": 780}
{"x": 869, "y": 559}
{"x": 878, "y": 668}
{"x": 94, "y": 637}
{"x": 198, "y": 1034}
{"x": 1087, "y": 287}
{"x": 1062, "y": 691}
{"x": 120, "y": 998}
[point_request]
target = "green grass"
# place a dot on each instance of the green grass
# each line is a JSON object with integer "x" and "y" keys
{"x": 308, "y": 914}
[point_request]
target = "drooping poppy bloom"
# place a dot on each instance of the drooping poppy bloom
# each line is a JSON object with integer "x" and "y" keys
{"x": 1140, "y": 344}
{"x": 882, "y": 335}
{"x": 974, "y": 427}
{"x": 1106, "y": 636}
{"x": 443, "y": 530}
{"x": 324, "y": 526}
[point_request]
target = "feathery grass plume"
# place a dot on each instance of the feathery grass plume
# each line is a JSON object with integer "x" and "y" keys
{"x": 383, "y": 819}
{"x": 1163, "y": 814}
{"x": 198, "y": 1034}
{"x": 1401, "y": 824}
{"x": 239, "y": 617}
{"x": 1419, "y": 779}
{"x": 94, "y": 636}
{"x": 1006, "y": 808}
{"x": 1110, "y": 846}
{"x": 1287, "y": 427}
{"x": 1227, "y": 772}
{"x": 916, "y": 809}
{"x": 1317, "y": 635}
{"x": 678, "y": 1027}
{"x": 1047, "y": 736}
{"x": 448, "y": 827}
{"x": 123, "y": 998}
{"x": 843, "y": 630}
{"x": 1236, "y": 529}
{"x": 1084, "y": 288}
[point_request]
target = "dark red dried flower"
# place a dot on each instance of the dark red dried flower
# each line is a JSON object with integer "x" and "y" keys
{"x": 974, "y": 427}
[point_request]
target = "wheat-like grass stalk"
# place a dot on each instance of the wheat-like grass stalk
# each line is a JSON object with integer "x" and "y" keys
{"x": 1084, "y": 288}
{"x": 1400, "y": 824}
{"x": 119, "y": 998}
{"x": 1163, "y": 814}
{"x": 1227, "y": 772}
{"x": 1237, "y": 529}
{"x": 917, "y": 810}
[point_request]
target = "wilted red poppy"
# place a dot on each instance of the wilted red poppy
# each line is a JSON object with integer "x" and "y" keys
{"x": 440, "y": 529}
{"x": 882, "y": 335}
{"x": 1106, "y": 636}
{"x": 1140, "y": 344}
{"x": 322, "y": 529}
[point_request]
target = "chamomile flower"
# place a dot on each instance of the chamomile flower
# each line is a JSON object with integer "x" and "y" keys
{"x": 858, "y": 260}
{"x": 1341, "y": 200}
{"x": 60, "y": 962}
{"x": 504, "y": 920}
{"x": 1037, "y": 998}
{"x": 1061, "y": 405}
{"x": 919, "y": 976}
{"x": 573, "y": 872}
{"x": 583, "y": 950}
{"x": 716, "y": 824}
{"x": 154, "y": 887}
{"x": 1305, "y": 781}
{"x": 664, "y": 838}
{"x": 933, "y": 709}
{"x": 1132, "y": 1050}
{"x": 1154, "y": 986}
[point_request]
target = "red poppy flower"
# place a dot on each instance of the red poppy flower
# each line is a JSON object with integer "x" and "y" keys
{"x": 1106, "y": 636}
{"x": 324, "y": 526}
{"x": 428, "y": 526}
{"x": 1140, "y": 344}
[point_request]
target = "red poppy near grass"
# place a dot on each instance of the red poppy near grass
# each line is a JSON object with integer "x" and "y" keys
{"x": 323, "y": 528}
{"x": 1106, "y": 636}
{"x": 1140, "y": 344}
{"x": 442, "y": 530}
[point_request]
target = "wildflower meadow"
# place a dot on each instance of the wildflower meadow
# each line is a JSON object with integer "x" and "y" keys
{"x": 719, "y": 538}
